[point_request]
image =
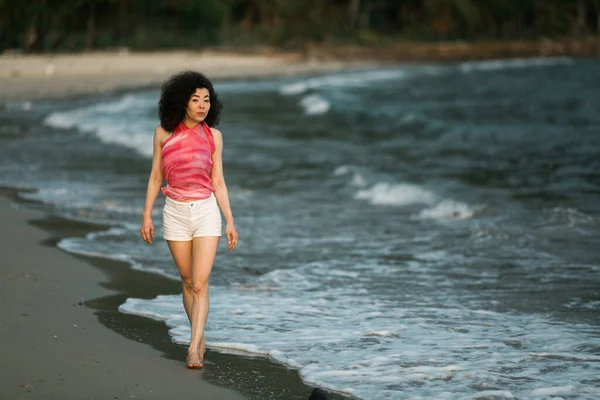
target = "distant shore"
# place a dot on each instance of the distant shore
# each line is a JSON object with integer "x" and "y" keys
{"x": 458, "y": 50}
{"x": 32, "y": 77}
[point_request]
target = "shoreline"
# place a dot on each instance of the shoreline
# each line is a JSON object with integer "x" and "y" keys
{"x": 58, "y": 348}
{"x": 32, "y": 77}
{"x": 43, "y": 77}
{"x": 229, "y": 374}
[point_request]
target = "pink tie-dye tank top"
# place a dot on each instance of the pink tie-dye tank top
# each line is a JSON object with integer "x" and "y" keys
{"x": 186, "y": 163}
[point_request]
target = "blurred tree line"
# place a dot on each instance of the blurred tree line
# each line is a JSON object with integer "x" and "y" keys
{"x": 66, "y": 25}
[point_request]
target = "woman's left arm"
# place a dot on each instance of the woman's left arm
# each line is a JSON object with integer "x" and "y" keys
{"x": 218, "y": 181}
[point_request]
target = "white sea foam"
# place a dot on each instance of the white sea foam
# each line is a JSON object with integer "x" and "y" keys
{"x": 63, "y": 120}
{"x": 405, "y": 194}
{"x": 449, "y": 209}
{"x": 400, "y": 194}
{"x": 555, "y": 391}
{"x": 122, "y": 121}
{"x": 580, "y": 303}
{"x": 109, "y": 232}
{"x": 341, "y": 170}
{"x": 493, "y": 394}
{"x": 293, "y": 88}
{"x": 358, "y": 179}
{"x": 316, "y": 328}
{"x": 75, "y": 195}
{"x": 350, "y": 79}
{"x": 568, "y": 217}
{"x": 315, "y": 105}
{"x": 568, "y": 356}
{"x": 71, "y": 245}
{"x": 494, "y": 65}
{"x": 113, "y": 206}
{"x": 241, "y": 347}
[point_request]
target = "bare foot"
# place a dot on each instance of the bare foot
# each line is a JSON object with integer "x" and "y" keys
{"x": 193, "y": 361}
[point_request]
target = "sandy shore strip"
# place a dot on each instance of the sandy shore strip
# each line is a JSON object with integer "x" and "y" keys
{"x": 69, "y": 341}
{"x": 54, "y": 347}
{"x": 34, "y": 77}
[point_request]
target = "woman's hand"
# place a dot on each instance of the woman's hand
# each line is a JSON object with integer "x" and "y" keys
{"x": 147, "y": 230}
{"x": 232, "y": 235}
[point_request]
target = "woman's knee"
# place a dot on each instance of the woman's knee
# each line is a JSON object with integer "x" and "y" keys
{"x": 187, "y": 283}
{"x": 199, "y": 287}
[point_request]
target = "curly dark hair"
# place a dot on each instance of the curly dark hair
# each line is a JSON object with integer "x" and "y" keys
{"x": 175, "y": 95}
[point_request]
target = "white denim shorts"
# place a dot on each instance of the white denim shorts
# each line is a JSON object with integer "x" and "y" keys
{"x": 183, "y": 221}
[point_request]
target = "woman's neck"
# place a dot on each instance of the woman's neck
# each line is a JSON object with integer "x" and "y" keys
{"x": 189, "y": 123}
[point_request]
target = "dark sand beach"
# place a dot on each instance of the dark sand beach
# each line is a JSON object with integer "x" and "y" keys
{"x": 56, "y": 346}
{"x": 56, "y": 310}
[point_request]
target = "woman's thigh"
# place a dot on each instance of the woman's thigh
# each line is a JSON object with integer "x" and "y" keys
{"x": 181, "y": 251}
{"x": 203, "y": 257}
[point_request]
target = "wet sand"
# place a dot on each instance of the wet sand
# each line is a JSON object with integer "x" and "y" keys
{"x": 66, "y": 340}
{"x": 54, "y": 346}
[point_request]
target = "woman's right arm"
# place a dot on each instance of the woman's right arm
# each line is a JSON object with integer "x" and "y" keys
{"x": 154, "y": 183}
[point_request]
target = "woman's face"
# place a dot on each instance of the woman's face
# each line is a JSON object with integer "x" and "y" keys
{"x": 198, "y": 106}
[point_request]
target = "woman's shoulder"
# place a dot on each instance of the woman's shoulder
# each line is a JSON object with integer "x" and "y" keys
{"x": 216, "y": 132}
{"x": 217, "y": 137}
{"x": 161, "y": 131}
{"x": 160, "y": 134}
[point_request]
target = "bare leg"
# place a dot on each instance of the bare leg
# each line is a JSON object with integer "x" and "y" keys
{"x": 203, "y": 256}
{"x": 205, "y": 306}
{"x": 182, "y": 255}
{"x": 187, "y": 294}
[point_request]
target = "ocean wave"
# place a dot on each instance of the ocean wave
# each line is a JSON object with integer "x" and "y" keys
{"x": 342, "y": 170}
{"x": 581, "y": 303}
{"x": 122, "y": 121}
{"x": 406, "y": 194}
{"x": 72, "y": 245}
{"x": 108, "y": 232}
{"x": 399, "y": 194}
{"x": 65, "y": 119}
{"x": 568, "y": 217}
{"x": 294, "y": 88}
{"x": 350, "y": 79}
{"x": 321, "y": 334}
{"x": 315, "y": 105}
{"x": 568, "y": 390}
{"x": 358, "y": 180}
{"x": 493, "y": 394}
{"x": 495, "y": 65}
{"x": 449, "y": 209}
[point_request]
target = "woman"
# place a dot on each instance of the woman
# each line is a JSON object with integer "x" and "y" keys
{"x": 188, "y": 155}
